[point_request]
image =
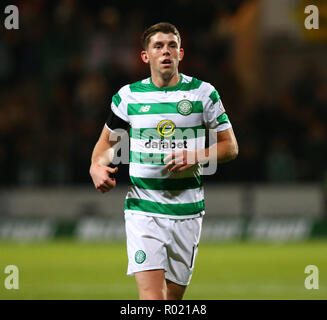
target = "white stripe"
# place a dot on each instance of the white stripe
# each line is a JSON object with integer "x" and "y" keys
{"x": 166, "y": 146}
{"x": 152, "y": 120}
{"x": 166, "y": 196}
{"x": 141, "y": 170}
{"x": 164, "y": 97}
{"x": 119, "y": 112}
{"x": 146, "y": 81}
{"x": 186, "y": 79}
{"x": 224, "y": 126}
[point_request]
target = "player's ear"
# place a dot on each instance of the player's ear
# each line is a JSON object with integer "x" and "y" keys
{"x": 144, "y": 56}
{"x": 181, "y": 54}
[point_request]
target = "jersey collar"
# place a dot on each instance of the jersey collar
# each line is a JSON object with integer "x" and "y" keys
{"x": 169, "y": 88}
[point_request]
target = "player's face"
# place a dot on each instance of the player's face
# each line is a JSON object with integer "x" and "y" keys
{"x": 163, "y": 54}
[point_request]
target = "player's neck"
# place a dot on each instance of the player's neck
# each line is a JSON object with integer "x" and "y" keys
{"x": 160, "y": 81}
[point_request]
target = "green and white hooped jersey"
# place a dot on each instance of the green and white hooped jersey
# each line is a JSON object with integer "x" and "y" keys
{"x": 163, "y": 120}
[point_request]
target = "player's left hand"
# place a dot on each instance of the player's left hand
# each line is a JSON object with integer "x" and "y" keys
{"x": 180, "y": 160}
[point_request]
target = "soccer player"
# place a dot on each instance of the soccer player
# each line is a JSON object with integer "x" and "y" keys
{"x": 164, "y": 206}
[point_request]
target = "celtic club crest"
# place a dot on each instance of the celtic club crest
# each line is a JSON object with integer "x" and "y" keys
{"x": 185, "y": 107}
{"x": 140, "y": 256}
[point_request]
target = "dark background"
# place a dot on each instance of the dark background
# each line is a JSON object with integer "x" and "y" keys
{"x": 59, "y": 70}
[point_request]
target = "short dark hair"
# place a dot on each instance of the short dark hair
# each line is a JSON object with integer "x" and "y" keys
{"x": 164, "y": 27}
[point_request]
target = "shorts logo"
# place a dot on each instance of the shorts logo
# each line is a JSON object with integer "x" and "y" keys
{"x": 185, "y": 107}
{"x": 140, "y": 256}
{"x": 166, "y": 128}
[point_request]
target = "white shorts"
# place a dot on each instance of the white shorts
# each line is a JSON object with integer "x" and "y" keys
{"x": 162, "y": 243}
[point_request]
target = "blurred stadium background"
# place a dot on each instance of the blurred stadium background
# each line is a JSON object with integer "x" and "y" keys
{"x": 266, "y": 212}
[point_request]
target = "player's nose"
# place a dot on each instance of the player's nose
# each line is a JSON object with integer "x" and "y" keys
{"x": 166, "y": 50}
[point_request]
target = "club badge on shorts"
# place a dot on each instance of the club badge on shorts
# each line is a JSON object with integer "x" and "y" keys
{"x": 185, "y": 107}
{"x": 140, "y": 256}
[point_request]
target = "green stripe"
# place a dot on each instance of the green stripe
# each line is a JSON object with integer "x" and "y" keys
{"x": 147, "y": 158}
{"x": 149, "y": 87}
{"x": 158, "y": 108}
{"x": 214, "y": 96}
{"x": 180, "y": 133}
{"x": 223, "y": 118}
{"x": 167, "y": 184}
{"x": 182, "y": 209}
{"x": 116, "y": 99}
{"x": 194, "y": 84}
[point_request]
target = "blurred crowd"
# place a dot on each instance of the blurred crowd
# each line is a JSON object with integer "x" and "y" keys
{"x": 59, "y": 71}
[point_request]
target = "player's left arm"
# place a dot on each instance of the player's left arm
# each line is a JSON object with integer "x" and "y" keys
{"x": 224, "y": 150}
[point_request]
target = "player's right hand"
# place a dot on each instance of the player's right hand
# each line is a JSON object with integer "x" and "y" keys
{"x": 101, "y": 179}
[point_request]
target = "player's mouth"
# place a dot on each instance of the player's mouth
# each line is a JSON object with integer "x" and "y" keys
{"x": 166, "y": 62}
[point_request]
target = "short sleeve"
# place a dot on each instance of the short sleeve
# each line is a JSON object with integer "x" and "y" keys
{"x": 214, "y": 113}
{"x": 118, "y": 117}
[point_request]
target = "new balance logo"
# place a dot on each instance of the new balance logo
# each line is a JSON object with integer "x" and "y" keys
{"x": 145, "y": 108}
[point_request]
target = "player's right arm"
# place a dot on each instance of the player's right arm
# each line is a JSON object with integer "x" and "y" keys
{"x": 103, "y": 152}
{"x": 101, "y": 158}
